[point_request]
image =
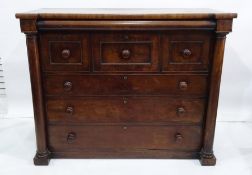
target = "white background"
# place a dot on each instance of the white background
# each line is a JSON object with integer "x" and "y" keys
{"x": 236, "y": 87}
{"x": 232, "y": 142}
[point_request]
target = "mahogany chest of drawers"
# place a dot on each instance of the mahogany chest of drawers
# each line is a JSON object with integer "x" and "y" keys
{"x": 125, "y": 83}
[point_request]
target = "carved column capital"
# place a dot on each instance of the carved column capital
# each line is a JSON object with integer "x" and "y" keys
{"x": 224, "y": 26}
{"x": 29, "y": 26}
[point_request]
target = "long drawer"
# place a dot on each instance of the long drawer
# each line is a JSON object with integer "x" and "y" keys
{"x": 120, "y": 137}
{"x": 124, "y": 109}
{"x": 89, "y": 85}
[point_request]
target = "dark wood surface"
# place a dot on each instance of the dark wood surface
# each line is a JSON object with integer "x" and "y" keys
{"x": 66, "y": 51}
{"x": 125, "y": 13}
{"x": 124, "y": 109}
{"x": 124, "y": 51}
{"x": 125, "y": 83}
{"x": 70, "y": 138}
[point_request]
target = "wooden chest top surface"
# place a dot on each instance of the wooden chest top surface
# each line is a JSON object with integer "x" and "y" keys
{"x": 124, "y": 13}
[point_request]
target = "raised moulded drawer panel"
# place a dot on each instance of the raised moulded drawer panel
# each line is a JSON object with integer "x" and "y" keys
{"x": 124, "y": 109}
{"x": 125, "y": 51}
{"x": 187, "y": 52}
{"x": 64, "y": 52}
{"x": 121, "y": 137}
{"x": 89, "y": 85}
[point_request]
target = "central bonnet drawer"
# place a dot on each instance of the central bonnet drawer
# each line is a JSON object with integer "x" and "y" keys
{"x": 125, "y": 51}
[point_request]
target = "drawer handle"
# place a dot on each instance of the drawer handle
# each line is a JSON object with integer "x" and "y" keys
{"x": 69, "y": 110}
{"x": 65, "y": 53}
{"x": 125, "y": 77}
{"x": 68, "y": 85}
{"x": 181, "y": 111}
{"x": 126, "y": 54}
{"x": 71, "y": 137}
{"x": 186, "y": 53}
{"x": 178, "y": 138}
{"x": 125, "y": 101}
{"x": 183, "y": 85}
{"x": 126, "y": 37}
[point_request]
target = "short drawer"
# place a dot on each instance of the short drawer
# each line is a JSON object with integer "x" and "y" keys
{"x": 88, "y": 85}
{"x": 121, "y": 137}
{"x": 64, "y": 51}
{"x": 187, "y": 52}
{"x": 125, "y": 109}
{"x": 126, "y": 51}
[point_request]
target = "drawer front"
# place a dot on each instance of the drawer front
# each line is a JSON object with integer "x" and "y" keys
{"x": 122, "y": 51}
{"x": 65, "y": 52}
{"x": 125, "y": 109}
{"x": 119, "y": 137}
{"x": 183, "y": 52}
{"x": 87, "y": 85}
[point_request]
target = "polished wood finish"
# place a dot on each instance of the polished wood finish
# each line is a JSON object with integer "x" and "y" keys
{"x": 183, "y": 52}
{"x": 207, "y": 156}
{"x": 125, "y": 109}
{"x": 43, "y": 154}
{"x": 121, "y": 51}
{"x": 125, "y": 83}
{"x": 128, "y": 137}
{"x": 64, "y": 52}
{"x": 132, "y": 14}
{"x": 109, "y": 25}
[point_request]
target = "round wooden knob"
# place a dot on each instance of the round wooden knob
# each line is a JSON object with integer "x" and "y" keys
{"x": 178, "y": 138}
{"x": 125, "y": 54}
{"x": 181, "y": 111}
{"x": 71, "y": 137}
{"x": 69, "y": 110}
{"x": 68, "y": 85}
{"x": 125, "y": 101}
{"x": 186, "y": 52}
{"x": 126, "y": 37}
{"x": 65, "y": 53}
{"x": 183, "y": 85}
{"x": 125, "y": 77}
